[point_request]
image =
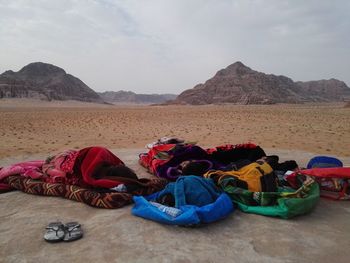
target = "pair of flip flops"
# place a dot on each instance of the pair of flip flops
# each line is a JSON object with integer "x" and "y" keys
{"x": 57, "y": 231}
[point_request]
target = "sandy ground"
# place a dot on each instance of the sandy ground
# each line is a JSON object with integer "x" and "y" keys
{"x": 290, "y": 131}
{"x": 51, "y": 127}
{"x": 117, "y": 236}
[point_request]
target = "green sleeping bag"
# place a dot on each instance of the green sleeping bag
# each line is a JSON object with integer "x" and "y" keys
{"x": 285, "y": 203}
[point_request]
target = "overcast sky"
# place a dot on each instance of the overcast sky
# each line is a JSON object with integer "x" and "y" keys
{"x": 160, "y": 46}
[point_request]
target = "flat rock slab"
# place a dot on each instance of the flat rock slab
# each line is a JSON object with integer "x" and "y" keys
{"x": 117, "y": 236}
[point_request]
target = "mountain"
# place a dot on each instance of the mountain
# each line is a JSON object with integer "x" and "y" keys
{"x": 133, "y": 98}
{"x": 45, "y": 81}
{"x": 332, "y": 89}
{"x": 241, "y": 85}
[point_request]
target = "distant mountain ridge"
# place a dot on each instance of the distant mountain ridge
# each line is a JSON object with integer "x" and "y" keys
{"x": 236, "y": 83}
{"x": 117, "y": 97}
{"x": 240, "y": 84}
{"x": 45, "y": 81}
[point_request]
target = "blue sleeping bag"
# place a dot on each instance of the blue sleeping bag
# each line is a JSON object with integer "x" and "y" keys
{"x": 196, "y": 200}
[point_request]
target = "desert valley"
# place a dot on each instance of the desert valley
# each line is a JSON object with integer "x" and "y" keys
{"x": 50, "y": 128}
{"x": 45, "y": 110}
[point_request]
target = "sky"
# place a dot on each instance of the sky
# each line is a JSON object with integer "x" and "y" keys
{"x": 168, "y": 46}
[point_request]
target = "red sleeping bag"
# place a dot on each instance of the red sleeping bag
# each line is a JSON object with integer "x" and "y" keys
{"x": 89, "y": 158}
{"x": 334, "y": 182}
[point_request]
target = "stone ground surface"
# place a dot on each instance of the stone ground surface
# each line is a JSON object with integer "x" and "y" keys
{"x": 117, "y": 236}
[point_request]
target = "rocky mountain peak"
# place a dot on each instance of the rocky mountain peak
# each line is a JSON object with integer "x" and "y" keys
{"x": 45, "y": 81}
{"x": 40, "y": 69}
{"x": 240, "y": 84}
{"x": 237, "y": 68}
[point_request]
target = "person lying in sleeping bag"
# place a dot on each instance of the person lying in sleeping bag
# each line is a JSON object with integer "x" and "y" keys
{"x": 91, "y": 167}
{"x": 92, "y": 175}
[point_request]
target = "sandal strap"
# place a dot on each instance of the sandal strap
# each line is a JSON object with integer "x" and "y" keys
{"x": 56, "y": 228}
{"x": 71, "y": 228}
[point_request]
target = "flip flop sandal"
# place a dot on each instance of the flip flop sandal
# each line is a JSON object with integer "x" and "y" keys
{"x": 73, "y": 232}
{"x": 54, "y": 232}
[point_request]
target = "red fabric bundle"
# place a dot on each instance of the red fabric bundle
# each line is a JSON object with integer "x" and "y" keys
{"x": 155, "y": 157}
{"x": 334, "y": 182}
{"x": 91, "y": 157}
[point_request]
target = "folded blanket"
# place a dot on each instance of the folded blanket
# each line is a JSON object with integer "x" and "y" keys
{"x": 88, "y": 196}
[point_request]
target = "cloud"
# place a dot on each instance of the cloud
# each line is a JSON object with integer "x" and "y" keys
{"x": 168, "y": 46}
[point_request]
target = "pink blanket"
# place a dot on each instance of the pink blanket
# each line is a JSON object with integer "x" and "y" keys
{"x": 31, "y": 169}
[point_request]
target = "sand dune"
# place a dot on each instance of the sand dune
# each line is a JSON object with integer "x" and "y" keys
{"x": 31, "y": 128}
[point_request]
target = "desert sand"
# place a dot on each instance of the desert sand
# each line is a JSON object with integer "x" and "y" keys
{"x": 31, "y": 127}
{"x": 291, "y": 131}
